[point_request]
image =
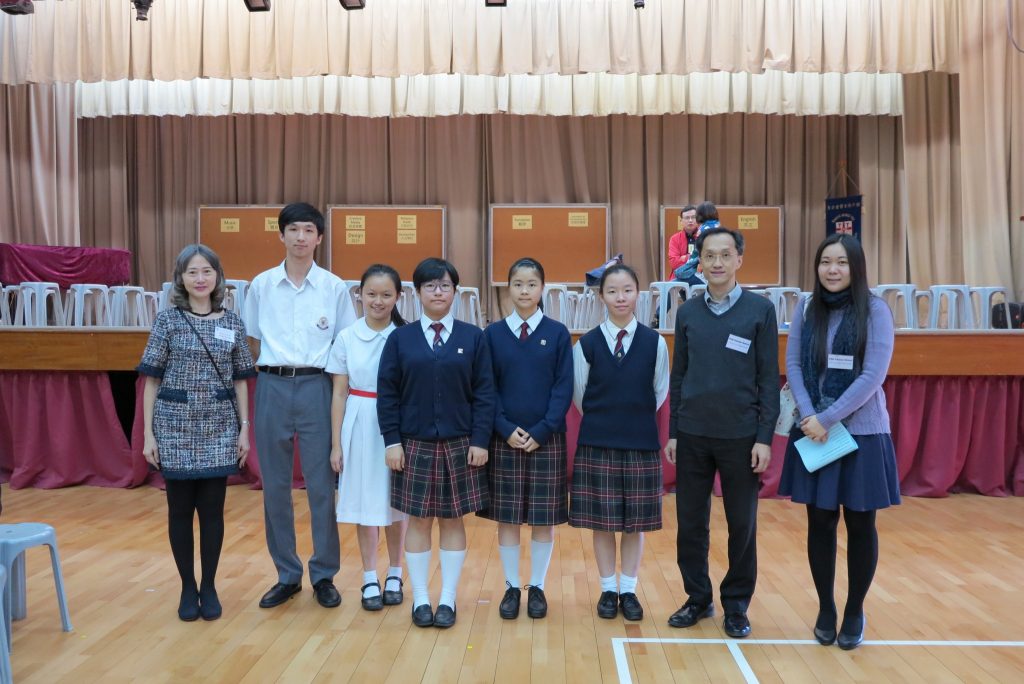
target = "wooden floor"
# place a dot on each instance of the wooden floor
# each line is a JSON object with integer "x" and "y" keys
{"x": 950, "y": 570}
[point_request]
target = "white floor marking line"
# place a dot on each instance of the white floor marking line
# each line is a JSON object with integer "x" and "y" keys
{"x": 741, "y": 662}
{"x": 734, "y": 646}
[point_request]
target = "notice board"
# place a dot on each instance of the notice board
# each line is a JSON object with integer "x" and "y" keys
{"x": 400, "y": 236}
{"x": 762, "y": 236}
{"x": 245, "y": 237}
{"x": 567, "y": 239}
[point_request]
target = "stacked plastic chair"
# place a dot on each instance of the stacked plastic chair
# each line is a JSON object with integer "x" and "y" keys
{"x": 14, "y": 541}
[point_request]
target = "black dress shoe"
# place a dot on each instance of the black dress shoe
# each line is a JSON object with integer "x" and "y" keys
{"x": 188, "y": 606}
{"x": 851, "y": 635}
{"x": 690, "y": 613}
{"x": 608, "y": 605}
{"x": 209, "y": 604}
{"x": 393, "y": 598}
{"x": 372, "y": 602}
{"x": 631, "y": 608}
{"x": 327, "y": 594}
{"x": 508, "y": 609}
{"x": 444, "y": 617}
{"x": 278, "y": 594}
{"x": 825, "y": 629}
{"x": 536, "y": 603}
{"x": 423, "y": 616}
{"x": 736, "y": 625}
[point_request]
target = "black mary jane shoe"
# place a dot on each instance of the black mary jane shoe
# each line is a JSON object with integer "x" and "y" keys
{"x": 849, "y": 636}
{"x": 393, "y": 598}
{"x": 423, "y": 616}
{"x": 508, "y": 609}
{"x": 444, "y": 617}
{"x": 372, "y": 602}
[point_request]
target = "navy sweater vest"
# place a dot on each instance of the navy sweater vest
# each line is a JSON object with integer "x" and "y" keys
{"x": 618, "y": 404}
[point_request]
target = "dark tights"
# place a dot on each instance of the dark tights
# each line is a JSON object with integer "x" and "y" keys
{"x": 185, "y": 498}
{"x": 861, "y": 560}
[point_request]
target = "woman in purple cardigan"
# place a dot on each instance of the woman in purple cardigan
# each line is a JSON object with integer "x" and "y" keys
{"x": 840, "y": 345}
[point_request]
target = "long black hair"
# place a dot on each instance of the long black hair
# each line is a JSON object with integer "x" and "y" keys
{"x": 618, "y": 268}
{"x": 860, "y": 300}
{"x": 385, "y": 270}
{"x": 528, "y": 262}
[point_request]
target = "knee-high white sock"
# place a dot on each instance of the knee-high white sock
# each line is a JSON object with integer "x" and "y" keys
{"x": 540, "y": 559}
{"x": 510, "y": 562}
{"x": 627, "y": 584}
{"x": 451, "y": 569}
{"x": 419, "y": 568}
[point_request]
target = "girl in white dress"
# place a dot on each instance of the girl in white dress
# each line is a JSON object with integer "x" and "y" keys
{"x": 357, "y": 453}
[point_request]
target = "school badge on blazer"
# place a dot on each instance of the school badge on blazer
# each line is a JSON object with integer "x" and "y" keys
{"x": 322, "y": 323}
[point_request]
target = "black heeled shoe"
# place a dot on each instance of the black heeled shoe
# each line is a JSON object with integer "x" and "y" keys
{"x": 825, "y": 629}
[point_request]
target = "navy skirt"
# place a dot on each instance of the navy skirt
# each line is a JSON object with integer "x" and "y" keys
{"x": 865, "y": 480}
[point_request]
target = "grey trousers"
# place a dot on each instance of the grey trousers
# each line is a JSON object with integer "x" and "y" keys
{"x": 286, "y": 409}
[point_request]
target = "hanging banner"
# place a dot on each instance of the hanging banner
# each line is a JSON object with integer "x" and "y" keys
{"x": 842, "y": 215}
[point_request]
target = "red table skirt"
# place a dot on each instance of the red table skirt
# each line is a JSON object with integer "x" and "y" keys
{"x": 64, "y": 265}
{"x": 952, "y": 434}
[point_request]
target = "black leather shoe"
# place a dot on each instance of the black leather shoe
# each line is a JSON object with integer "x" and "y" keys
{"x": 825, "y": 629}
{"x": 188, "y": 606}
{"x": 850, "y": 637}
{"x": 736, "y": 625}
{"x": 423, "y": 616}
{"x": 444, "y": 617}
{"x": 537, "y": 603}
{"x": 278, "y": 594}
{"x": 393, "y": 598}
{"x": 209, "y": 604}
{"x": 690, "y": 613}
{"x": 608, "y": 605}
{"x": 372, "y": 602}
{"x": 631, "y": 608}
{"x": 326, "y": 594}
{"x": 508, "y": 609}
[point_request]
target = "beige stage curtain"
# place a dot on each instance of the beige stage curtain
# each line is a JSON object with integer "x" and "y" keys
{"x": 97, "y": 40}
{"x": 38, "y": 165}
{"x": 146, "y": 175}
{"x": 773, "y": 92}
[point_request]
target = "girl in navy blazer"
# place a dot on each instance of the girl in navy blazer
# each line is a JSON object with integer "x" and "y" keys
{"x": 435, "y": 405}
{"x": 532, "y": 359}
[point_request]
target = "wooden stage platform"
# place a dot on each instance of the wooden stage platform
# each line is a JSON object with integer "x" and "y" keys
{"x": 946, "y": 605}
{"x": 917, "y": 352}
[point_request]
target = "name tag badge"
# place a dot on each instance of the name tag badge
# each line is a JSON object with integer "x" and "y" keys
{"x": 840, "y": 361}
{"x": 737, "y": 343}
{"x": 224, "y": 334}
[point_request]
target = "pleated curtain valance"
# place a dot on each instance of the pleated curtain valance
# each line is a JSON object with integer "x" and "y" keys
{"x": 773, "y": 92}
{"x": 98, "y": 40}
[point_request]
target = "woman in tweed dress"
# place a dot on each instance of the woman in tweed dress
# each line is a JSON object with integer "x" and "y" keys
{"x": 192, "y": 413}
{"x": 532, "y": 359}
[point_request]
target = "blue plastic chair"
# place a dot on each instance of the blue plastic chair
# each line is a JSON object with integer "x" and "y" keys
{"x": 5, "y": 651}
{"x": 14, "y": 541}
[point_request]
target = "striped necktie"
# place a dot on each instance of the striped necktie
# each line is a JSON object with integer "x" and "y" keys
{"x": 437, "y": 328}
{"x": 618, "y": 344}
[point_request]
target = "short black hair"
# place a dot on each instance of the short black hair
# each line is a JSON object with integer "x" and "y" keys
{"x": 706, "y": 211}
{"x": 737, "y": 237}
{"x": 688, "y": 207}
{"x": 300, "y": 212}
{"x": 433, "y": 268}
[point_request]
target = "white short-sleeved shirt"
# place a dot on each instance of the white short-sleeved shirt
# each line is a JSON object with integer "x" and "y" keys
{"x": 296, "y": 325}
{"x": 356, "y": 353}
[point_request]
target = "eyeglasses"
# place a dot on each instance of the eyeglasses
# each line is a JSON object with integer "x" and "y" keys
{"x": 711, "y": 257}
{"x": 438, "y": 285}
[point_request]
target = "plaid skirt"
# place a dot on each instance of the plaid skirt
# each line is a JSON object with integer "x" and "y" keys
{"x": 528, "y": 488}
{"x": 438, "y": 481}
{"x": 616, "y": 490}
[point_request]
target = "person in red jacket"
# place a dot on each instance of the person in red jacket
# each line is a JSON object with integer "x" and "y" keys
{"x": 681, "y": 243}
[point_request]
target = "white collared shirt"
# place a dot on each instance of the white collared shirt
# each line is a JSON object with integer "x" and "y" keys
{"x": 448, "y": 321}
{"x": 296, "y": 325}
{"x": 610, "y": 331}
{"x": 515, "y": 322}
{"x": 356, "y": 353}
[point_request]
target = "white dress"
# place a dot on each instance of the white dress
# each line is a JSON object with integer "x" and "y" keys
{"x": 364, "y": 488}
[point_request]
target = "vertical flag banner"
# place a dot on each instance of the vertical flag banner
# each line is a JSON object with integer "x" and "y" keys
{"x": 842, "y": 215}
